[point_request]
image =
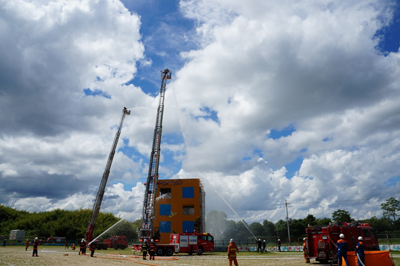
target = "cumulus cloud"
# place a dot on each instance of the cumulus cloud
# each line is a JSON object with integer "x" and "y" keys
{"x": 313, "y": 66}
{"x": 258, "y": 68}
{"x": 63, "y": 68}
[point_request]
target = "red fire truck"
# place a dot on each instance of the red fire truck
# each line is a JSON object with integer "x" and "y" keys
{"x": 115, "y": 242}
{"x": 321, "y": 240}
{"x": 187, "y": 243}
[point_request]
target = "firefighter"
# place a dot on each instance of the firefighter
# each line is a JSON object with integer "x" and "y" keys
{"x": 259, "y": 245}
{"x": 73, "y": 246}
{"x": 152, "y": 249}
{"x": 92, "y": 248}
{"x": 35, "y": 247}
{"x": 342, "y": 247}
{"x": 279, "y": 245}
{"x": 145, "y": 248}
{"x": 82, "y": 247}
{"x": 263, "y": 247}
{"x": 304, "y": 250}
{"x": 232, "y": 250}
{"x": 66, "y": 245}
{"x": 26, "y": 245}
{"x": 360, "y": 252}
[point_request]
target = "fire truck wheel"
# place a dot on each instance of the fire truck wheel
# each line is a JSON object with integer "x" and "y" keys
{"x": 200, "y": 251}
{"x": 170, "y": 252}
{"x": 160, "y": 252}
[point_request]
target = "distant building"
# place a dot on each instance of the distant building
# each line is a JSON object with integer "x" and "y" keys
{"x": 180, "y": 207}
{"x": 17, "y": 234}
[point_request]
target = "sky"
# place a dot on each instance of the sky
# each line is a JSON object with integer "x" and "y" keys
{"x": 269, "y": 102}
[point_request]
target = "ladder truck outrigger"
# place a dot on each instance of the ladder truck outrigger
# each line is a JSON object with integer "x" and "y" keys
{"x": 146, "y": 231}
{"x": 96, "y": 207}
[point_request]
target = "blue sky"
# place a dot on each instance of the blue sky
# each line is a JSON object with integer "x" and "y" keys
{"x": 268, "y": 102}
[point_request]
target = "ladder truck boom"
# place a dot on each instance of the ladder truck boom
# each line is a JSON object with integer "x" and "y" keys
{"x": 146, "y": 231}
{"x": 100, "y": 193}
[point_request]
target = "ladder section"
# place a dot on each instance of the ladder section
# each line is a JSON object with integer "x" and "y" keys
{"x": 146, "y": 232}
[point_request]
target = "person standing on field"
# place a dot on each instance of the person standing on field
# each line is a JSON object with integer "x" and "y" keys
{"x": 305, "y": 250}
{"x": 26, "y": 245}
{"x": 259, "y": 243}
{"x": 92, "y": 248}
{"x": 145, "y": 248}
{"x": 342, "y": 248}
{"x": 360, "y": 252}
{"x": 232, "y": 250}
{"x": 279, "y": 245}
{"x": 82, "y": 247}
{"x": 35, "y": 247}
{"x": 263, "y": 247}
{"x": 152, "y": 249}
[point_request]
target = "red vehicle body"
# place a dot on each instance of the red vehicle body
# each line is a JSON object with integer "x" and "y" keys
{"x": 321, "y": 240}
{"x": 187, "y": 243}
{"x": 115, "y": 242}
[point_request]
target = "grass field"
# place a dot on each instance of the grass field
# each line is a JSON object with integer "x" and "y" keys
{"x": 16, "y": 255}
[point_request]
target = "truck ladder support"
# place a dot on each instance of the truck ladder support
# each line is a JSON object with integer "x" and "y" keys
{"x": 100, "y": 193}
{"x": 146, "y": 232}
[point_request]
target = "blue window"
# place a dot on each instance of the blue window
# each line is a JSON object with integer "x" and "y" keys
{"x": 164, "y": 227}
{"x": 188, "y": 226}
{"x": 165, "y": 209}
{"x": 187, "y": 192}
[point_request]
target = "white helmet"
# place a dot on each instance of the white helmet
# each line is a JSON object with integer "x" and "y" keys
{"x": 230, "y": 241}
{"x": 279, "y": 240}
{"x": 360, "y": 238}
{"x": 152, "y": 241}
{"x": 35, "y": 238}
{"x": 341, "y": 235}
{"x": 259, "y": 239}
{"x": 304, "y": 239}
{"x": 145, "y": 241}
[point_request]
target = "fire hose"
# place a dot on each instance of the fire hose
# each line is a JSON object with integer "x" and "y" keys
{"x": 360, "y": 259}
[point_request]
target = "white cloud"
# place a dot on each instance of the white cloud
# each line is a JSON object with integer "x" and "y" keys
{"x": 311, "y": 65}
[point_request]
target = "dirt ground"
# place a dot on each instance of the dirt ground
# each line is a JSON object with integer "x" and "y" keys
{"x": 16, "y": 255}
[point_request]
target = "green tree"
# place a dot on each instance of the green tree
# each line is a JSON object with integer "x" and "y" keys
{"x": 309, "y": 220}
{"x": 216, "y": 223}
{"x": 258, "y": 230}
{"x": 230, "y": 230}
{"x": 281, "y": 229}
{"x": 390, "y": 207}
{"x": 323, "y": 221}
{"x": 242, "y": 231}
{"x": 269, "y": 228}
{"x": 341, "y": 216}
{"x": 379, "y": 224}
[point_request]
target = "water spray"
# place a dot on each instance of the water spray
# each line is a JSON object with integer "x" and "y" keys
{"x": 111, "y": 227}
{"x": 242, "y": 220}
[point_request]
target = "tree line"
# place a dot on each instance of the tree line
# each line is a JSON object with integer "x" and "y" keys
{"x": 73, "y": 224}
{"x": 63, "y": 223}
{"x": 223, "y": 229}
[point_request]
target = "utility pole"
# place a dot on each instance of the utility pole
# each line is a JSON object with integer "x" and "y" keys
{"x": 287, "y": 219}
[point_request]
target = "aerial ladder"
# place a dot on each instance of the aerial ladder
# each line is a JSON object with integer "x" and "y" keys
{"x": 100, "y": 193}
{"x": 146, "y": 231}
